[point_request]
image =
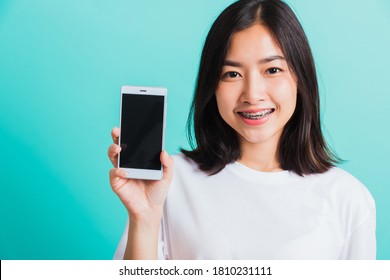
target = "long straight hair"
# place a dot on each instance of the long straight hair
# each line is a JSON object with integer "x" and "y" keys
{"x": 302, "y": 148}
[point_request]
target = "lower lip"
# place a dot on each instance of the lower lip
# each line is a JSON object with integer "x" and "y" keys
{"x": 256, "y": 122}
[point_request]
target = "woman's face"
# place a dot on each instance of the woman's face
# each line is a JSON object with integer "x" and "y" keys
{"x": 257, "y": 92}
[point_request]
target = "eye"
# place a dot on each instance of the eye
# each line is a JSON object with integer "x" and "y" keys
{"x": 273, "y": 70}
{"x": 231, "y": 75}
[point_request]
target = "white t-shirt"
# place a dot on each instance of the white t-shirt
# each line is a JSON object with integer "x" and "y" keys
{"x": 241, "y": 213}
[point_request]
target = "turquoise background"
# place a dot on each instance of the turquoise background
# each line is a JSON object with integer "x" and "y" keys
{"x": 61, "y": 67}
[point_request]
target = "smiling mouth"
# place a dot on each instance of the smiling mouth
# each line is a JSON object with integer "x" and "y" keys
{"x": 257, "y": 115}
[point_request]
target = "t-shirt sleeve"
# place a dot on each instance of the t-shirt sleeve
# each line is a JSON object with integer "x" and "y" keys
{"x": 361, "y": 243}
{"x": 120, "y": 250}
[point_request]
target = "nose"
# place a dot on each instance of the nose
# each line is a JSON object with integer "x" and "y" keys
{"x": 254, "y": 89}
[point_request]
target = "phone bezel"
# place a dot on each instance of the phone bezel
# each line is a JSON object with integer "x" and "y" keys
{"x": 139, "y": 173}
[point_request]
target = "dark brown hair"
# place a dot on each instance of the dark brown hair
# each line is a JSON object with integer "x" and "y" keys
{"x": 302, "y": 148}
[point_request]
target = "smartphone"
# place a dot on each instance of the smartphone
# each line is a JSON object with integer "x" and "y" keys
{"x": 142, "y": 131}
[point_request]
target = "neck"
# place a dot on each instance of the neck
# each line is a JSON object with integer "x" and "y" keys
{"x": 260, "y": 156}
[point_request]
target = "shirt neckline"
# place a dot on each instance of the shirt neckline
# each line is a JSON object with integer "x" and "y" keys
{"x": 262, "y": 176}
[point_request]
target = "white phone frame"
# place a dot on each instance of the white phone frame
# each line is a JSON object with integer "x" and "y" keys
{"x": 135, "y": 173}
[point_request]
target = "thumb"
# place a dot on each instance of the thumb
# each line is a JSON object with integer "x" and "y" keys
{"x": 167, "y": 163}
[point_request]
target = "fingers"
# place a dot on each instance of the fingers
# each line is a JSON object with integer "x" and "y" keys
{"x": 114, "y": 149}
{"x": 167, "y": 163}
{"x": 117, "y": 178}
{"x": 115, "y": 135}
{"x": 113, "y": 152}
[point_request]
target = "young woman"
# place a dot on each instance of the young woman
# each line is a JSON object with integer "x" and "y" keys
{"x": 260, "y": 182}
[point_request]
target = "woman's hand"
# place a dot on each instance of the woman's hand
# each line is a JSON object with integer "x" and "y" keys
{"x": 143, "y": 199}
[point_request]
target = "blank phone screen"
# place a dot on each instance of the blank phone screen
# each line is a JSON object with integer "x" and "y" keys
{"x": 141, "y": 131}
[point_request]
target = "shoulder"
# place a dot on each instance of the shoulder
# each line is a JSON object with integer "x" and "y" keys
{"x": 183, "y": 162}
{"x": 182, "y": 159}
{"x": 186, "y": 167}
{"x": 344, "y": 189}
{"x": 344, "y": 181}
{"x": 335, "y": 176}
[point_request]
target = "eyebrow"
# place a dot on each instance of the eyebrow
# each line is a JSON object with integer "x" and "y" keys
{"x": 261, "y": 61}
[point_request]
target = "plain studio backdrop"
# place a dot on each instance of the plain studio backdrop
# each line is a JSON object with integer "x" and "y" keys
{"x": 62, "y": 64}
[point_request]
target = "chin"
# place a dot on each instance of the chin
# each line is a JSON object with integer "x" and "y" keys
{"x": 256, "y": 138}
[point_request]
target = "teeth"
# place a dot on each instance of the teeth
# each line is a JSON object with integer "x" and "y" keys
{"x": 256, "y": 116}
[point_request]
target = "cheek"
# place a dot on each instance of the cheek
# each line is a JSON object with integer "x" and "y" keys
{"x": 221, "y": 103}
{"x": 286, "y": 96}
{"x": 221, "y": 94}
